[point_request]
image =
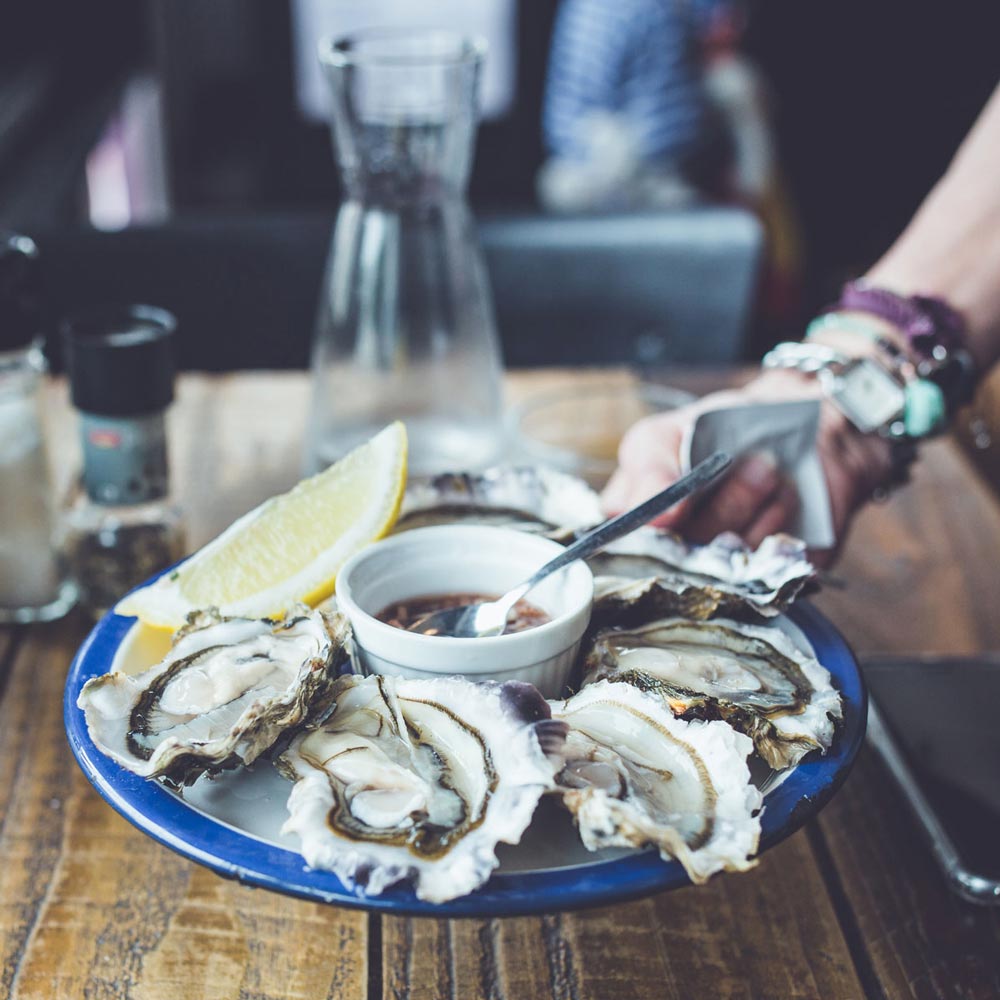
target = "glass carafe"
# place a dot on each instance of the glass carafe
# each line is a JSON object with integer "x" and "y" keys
{"x": 405, "y": 325}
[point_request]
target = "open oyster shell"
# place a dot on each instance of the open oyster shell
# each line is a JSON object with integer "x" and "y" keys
{"x": 634, "y": 775}
{"x": 532, "y": 498}
{"x": 225, "y": 693}
{"x": 419, "y": 779}
{"x": 648, "y": 574}
{"x": 753, "y": 677}
{"x": 652, "y": 573}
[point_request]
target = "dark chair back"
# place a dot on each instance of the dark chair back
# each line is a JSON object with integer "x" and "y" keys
{"x": 244, "y": 290}
{"x": 640, "y": 288}
{"x": 643, "y": 288}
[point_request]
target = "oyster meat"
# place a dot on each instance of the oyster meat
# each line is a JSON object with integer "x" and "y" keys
{"x": 652, "y": 573}
{"x": 634, "y": 775}
{"x": 754, "y": 677}
{"x": 420, "y": 780}
{"x": 527, "y": 497}
{"x": 224, "y": 694}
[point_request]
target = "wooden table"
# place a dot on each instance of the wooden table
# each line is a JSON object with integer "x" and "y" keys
{"x": 851, "y": 906}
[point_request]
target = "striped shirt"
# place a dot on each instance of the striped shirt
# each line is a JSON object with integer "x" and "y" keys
{"x": 635, "y": 58}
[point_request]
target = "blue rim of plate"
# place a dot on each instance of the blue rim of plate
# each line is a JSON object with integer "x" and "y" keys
{"x": 234, "y": 854}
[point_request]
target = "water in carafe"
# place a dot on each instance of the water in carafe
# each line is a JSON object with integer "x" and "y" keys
{"x": 405, "y": 324}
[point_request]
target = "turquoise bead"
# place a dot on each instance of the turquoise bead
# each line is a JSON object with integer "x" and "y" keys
{"x": 923, "y": 408}
{"x": 841, "y": 323}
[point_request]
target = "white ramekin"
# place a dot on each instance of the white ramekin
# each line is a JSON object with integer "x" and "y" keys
{"x": 456, "y": 558}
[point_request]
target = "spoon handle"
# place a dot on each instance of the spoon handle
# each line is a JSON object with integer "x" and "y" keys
{"x": 608, "y": 531}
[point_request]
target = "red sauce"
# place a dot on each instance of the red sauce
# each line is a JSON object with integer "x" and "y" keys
{"x": 402, "y": 614}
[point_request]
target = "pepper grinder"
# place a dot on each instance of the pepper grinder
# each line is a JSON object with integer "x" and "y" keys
{"x": 121, "y": 526}
{"x": 33, "y": 586}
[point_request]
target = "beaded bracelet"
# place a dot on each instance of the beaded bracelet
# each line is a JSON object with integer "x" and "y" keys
{"x": 933, "y": 329}
{"x": 930, "y": 325}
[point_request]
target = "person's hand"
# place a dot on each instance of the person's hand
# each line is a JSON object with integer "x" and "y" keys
{"x": 755, "y": 499}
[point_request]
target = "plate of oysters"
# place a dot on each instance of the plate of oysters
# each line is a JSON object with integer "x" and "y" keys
{"x": 705, "y": 715}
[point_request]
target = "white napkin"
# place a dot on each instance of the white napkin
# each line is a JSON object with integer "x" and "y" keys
{"x": 788, "y": 432}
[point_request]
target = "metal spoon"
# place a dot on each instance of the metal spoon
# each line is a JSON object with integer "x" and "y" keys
{"x": 472, "y": 621}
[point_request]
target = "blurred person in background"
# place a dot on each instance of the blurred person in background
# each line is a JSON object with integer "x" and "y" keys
{"x": 650, "y": 105}
{"x": 627, "y": 118}
{"x": 932, "y": 299}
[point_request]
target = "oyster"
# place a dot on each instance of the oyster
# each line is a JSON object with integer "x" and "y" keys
{"x": 531, "y": 498}
{"x": 634, "y": 775}
{"x": 225, "y": 693}
{"x": 754, "y": 677}
{"x": 653, "y": 573}
{"x": 419, "y": 779}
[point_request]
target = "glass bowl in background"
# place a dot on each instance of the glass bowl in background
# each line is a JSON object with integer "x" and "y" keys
{"x": 577, "y": 429}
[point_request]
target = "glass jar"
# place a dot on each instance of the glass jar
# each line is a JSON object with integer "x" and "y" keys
{"x": 32, "y": 583}
{"x": 405, "y": 325}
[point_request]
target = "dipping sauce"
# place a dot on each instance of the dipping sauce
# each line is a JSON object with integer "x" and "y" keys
{"x": 402, "y": 614}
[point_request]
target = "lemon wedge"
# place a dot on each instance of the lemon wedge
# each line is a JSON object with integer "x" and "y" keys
{"x": 290, "y": 547}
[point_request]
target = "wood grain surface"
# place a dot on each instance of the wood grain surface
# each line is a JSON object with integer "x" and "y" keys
{"x": 977, "y": 428}
{"x": 850, "y": 907}
{"x": 90, "y": 907}
{"x": 922, "y": 575}
{"x": 769, "y": 933}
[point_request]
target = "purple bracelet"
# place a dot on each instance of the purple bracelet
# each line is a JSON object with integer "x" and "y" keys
{"x": 927, "y": 322}
{"x": 934, "y": 331}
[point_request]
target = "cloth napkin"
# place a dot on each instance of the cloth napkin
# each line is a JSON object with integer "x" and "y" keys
{"x": 787, "y": 431}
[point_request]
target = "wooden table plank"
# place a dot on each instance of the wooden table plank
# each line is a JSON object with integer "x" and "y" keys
{"x": 772, "y": 933}
{"x": 503, "y": 959}
{"x": 921, "y": 576}
{"x": 101, "y": 910}
{"x": 921, "y": 939}
{"x": 36, "y": 776}
{"x": 768, "y": 933}
{"x": 91, "y": 907}
{"x": 920, "y": 571}
{"x": 9, "y": 636}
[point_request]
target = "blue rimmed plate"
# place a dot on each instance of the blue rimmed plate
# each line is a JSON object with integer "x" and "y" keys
{"x": 232, "y": 824}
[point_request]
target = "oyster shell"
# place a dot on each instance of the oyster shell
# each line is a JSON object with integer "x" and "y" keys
{"x": 419, "y": 779}
{"x": 527, "y": 497}
{"x": 754, "y": 677}
{"x": 653, "y": 573}
{"x": 225, "y": 693}
{"x": 634, "y": 775}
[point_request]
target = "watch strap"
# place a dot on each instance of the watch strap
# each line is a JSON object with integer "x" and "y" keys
{"x": 925, "y": 409}
{"x": 921, "y": 409}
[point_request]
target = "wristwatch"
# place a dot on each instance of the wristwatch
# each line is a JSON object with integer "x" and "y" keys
{"x": 867, "y": 395}
{"x": 933, "y": 329}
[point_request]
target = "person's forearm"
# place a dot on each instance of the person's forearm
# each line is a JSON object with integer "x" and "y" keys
{"x": 951, "y": 248}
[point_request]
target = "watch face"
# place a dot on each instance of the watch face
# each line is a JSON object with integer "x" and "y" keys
{"x": 867, "y": 395}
